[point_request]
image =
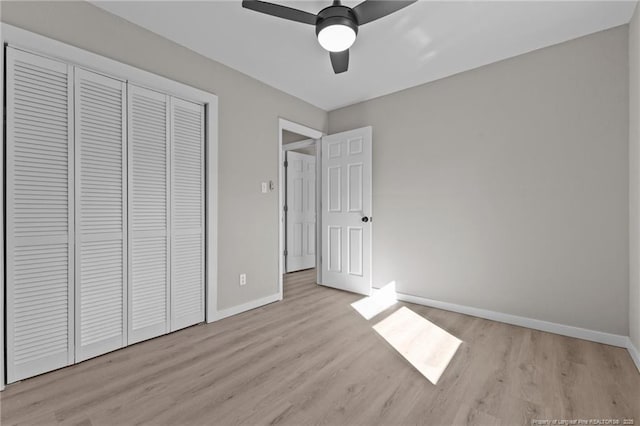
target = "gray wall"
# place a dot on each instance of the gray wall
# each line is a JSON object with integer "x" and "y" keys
{"x": 289, "y": 137}
{"x": 506, "y": 187}
{"x": 634, "y": 178}
{"x": 248, "y": 130}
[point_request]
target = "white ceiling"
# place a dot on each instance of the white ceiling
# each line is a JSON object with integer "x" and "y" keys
{"x": 421, "y": 43}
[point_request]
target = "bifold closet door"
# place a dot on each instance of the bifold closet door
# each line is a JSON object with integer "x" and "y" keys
{"x": 187, "y": 219}
{"x": 39, "y": 221}
{"x": 101, "y": 224}
{"x": 148, "y": 214}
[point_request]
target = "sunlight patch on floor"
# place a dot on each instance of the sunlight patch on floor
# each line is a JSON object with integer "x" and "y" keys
{"x": 380, "y": 300}
{"x": 426, "y": 346}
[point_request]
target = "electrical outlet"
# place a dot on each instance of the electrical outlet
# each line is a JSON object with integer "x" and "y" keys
{"x": 243, "y": 279}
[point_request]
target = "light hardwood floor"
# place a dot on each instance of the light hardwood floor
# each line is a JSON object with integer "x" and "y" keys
{"x": 312, "y": 359}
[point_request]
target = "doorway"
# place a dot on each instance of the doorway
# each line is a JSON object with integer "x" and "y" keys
{"x": 343, "y": 206}
{"x": 298, "y": 199}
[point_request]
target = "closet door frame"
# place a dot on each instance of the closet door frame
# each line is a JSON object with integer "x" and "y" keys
{"x": 2, "y": 268}
{"x": 47, "y": 47}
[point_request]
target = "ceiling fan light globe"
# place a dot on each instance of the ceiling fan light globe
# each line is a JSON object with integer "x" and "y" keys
{"x": 336, "y": 38}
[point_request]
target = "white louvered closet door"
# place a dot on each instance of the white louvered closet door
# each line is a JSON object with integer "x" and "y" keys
{"x": 39, "y": 195}
{"x": 148, "y": 214}
{"x": 100, "y": 188}
{"x": 187, "y": 242}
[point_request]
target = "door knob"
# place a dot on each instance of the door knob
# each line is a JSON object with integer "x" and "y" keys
{"x": 365, "y": 219}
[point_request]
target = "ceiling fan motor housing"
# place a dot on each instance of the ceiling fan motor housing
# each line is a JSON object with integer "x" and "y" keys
{"x": 336, "y": 15}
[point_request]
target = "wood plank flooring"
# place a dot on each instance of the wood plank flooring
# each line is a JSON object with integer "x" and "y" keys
{"x": 312, "y": 359}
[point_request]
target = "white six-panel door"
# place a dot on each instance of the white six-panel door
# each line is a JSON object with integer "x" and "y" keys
{"x": 101, "y": 219}
{"x": 187, "y": 219}
{"x": 301, "y": 211}
{"x": 39, "y": 215}
{"x": 346, "y": 210}
{"x": 149, "y": 194}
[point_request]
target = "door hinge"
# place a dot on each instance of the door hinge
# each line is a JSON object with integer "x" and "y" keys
{"x": 286, "y": 163}
{"x": 286, "y": 253}
{"x": 286, "y": 208}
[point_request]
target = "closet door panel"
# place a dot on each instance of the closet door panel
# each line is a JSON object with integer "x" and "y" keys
{"x": 101, "y": 275}
{"x": 187, "y": 249}
{"x": 149, "y": 214}
{"x": 39, "y": 220}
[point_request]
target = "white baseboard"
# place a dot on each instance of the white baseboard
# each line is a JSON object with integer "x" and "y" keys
{"x": 551, "y": 327}
{"x": 235, "y": 310}
{"x": 633, "y": 351}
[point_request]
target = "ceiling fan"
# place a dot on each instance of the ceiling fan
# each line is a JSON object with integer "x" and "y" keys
{"x": 336, "y": 25}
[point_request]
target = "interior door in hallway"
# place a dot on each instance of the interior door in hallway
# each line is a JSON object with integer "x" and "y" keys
{"x": 301, "y": 211}
{"x": 346, "y": 210}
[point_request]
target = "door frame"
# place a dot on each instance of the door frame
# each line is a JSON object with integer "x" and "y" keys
{"x": 284, "y": 124}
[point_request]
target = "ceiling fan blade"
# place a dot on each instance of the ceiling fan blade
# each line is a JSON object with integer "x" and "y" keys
{"x": 339, "y": 61}
{"x": 280, "y": 11}
{"x": 370, "y": 10}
